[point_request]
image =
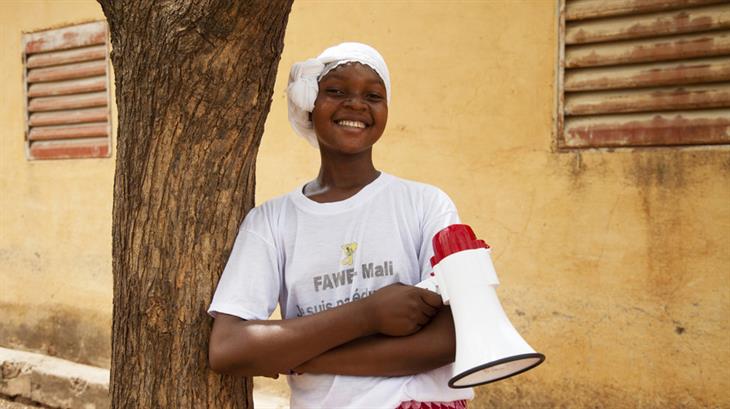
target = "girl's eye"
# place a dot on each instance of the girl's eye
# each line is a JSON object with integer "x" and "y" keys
{"x": 335, "y": 92}
{"x": 374, "y": 97}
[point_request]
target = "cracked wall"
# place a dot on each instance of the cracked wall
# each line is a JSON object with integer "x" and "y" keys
{"x": 614, "y": 263}
{"x": 55, "y": 223}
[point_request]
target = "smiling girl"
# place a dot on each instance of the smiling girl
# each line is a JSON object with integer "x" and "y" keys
{"x": 340, "y": 254}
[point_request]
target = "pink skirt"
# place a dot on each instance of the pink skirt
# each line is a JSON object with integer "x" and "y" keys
{"x": 411, "y": 404}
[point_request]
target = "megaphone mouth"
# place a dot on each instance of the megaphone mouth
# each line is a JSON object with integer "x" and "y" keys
{"x": 496, "y": 370}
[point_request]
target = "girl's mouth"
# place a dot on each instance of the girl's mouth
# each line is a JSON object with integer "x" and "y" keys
{"x": 351, "y": 124}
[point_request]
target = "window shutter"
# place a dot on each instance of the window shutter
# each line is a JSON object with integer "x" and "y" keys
{"x": 644, "y": 73}
{"x": 66, "y": 75}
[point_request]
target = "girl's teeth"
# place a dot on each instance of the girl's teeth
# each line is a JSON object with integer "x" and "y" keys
{"x": 354, "y": 124}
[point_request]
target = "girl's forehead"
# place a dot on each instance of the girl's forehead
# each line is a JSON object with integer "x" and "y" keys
{"x": 351, "y": 70}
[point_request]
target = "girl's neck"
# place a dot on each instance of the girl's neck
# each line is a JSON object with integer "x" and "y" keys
{"x": 341, "y": 177}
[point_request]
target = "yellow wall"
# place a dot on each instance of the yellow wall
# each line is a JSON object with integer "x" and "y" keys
{"x": 614, "y": 263}
{"x": 55, "y": 218}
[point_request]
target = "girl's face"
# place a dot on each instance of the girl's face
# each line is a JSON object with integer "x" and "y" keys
{"x": 351, "y": 109}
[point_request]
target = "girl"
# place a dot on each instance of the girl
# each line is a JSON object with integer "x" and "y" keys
{"x": 340, "y": 255}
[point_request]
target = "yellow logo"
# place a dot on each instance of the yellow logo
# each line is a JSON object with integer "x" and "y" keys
{"x": 349, "y": 250}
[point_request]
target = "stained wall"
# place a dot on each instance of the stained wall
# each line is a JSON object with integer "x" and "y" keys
{"x": 614, "y": 263}
{"x": 55, "y": 217}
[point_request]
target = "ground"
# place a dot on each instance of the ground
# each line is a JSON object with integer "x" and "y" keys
{"x": 5, "y": 404}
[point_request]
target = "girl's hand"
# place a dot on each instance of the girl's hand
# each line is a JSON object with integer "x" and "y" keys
{"x": 399, "y": 310}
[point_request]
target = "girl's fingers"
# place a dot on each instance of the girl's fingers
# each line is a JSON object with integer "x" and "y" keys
{"x": 424, "y": 319}
{"x": 431, "y": 298}
{"x": 428, "y": 310}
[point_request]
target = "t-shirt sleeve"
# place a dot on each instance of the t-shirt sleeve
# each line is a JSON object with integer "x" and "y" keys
{"x": 249, "y": 285}
{"x": 440, "y": 212}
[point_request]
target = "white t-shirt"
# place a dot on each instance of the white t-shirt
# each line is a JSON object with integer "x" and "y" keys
{"x": 312, "y": 256}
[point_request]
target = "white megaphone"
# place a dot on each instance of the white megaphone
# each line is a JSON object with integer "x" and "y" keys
{"x": 488, "y": 348}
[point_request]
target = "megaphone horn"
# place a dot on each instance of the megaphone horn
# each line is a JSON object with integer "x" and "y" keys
{"x": 488, "y": 347}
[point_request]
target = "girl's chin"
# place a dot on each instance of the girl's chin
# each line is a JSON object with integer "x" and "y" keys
{"x": 345, "y": 148}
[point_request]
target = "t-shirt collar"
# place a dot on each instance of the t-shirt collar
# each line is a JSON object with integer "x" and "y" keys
{"x": 359, "y": 198}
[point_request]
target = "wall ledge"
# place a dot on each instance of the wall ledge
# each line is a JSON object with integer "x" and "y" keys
{"x": 58, "y": 383}
{"x": 52, "y": 382}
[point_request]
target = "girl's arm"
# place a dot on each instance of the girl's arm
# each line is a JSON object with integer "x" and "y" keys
{"x": 381, "y": 355}
{"x": 270, "y": 347}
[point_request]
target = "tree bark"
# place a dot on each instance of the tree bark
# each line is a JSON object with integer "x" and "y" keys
{"x": 194, "y": 80}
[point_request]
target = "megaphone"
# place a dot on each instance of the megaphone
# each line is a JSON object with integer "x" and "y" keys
{"x": 488, "y": 347}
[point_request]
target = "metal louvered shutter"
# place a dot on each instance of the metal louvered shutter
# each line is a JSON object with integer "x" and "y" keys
{"x": 644, "y": 73}
{"x": 66, "y": 76}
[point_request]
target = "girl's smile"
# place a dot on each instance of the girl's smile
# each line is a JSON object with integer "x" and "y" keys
{"x": 351, "y": 124}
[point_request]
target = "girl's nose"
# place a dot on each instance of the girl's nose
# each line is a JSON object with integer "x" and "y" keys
{"x": 355, "y": 102}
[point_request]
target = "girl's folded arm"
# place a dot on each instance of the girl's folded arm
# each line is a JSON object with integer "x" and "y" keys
{"x": 379, "y": 355}
{"x": 270, "y": 347}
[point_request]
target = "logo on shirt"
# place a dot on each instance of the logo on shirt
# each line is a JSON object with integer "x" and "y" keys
{"x": 348, "y": 250}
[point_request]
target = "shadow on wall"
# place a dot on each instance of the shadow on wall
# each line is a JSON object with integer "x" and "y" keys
{"x": 82, "y": 336}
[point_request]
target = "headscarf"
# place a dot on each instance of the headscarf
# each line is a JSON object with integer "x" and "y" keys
{"x": 304, "y": 81}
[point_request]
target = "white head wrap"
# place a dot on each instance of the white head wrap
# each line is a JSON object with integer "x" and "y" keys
{"x": 304, "y": 81}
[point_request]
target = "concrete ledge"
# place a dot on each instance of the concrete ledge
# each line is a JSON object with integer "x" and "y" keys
{"x": 57, "y": 383}
{"x": 53, "y": 382}
{"x": 270, "y": 394}
{"x": 4, "y": 404}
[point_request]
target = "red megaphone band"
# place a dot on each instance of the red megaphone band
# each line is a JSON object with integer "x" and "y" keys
{"x": 453, "y": 239}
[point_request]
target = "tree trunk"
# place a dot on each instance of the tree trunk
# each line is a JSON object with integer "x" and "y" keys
{"x": 194, "y": 80}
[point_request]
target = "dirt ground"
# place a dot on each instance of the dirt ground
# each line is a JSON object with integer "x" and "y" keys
{"x": 6, "y": 404}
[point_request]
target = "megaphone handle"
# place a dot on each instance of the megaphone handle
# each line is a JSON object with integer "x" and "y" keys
{"x": 432, "y": 284}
